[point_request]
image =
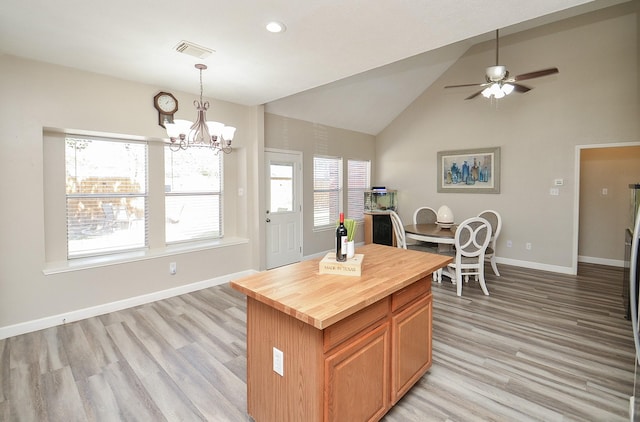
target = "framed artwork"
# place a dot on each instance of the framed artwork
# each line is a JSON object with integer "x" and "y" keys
{"x": 469, "y": 171}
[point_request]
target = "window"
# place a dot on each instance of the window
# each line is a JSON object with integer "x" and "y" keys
{"x": 281, "y": 182}
{"x": 357, "y": 182}
{"x": 106, "y": 196}
{"x": 193, "y": 194}
{"x": 327, "y": 191}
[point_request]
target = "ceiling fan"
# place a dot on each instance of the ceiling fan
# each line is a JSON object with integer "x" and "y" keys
{"x": 498, "y": 83}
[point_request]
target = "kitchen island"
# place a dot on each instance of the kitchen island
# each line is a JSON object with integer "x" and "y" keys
{"x": 323, "y": 347}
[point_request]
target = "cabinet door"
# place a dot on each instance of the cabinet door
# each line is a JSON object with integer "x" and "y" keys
{"x": 357, "y": 378}
{"x": 411, "y": 331}
{"x": 383, "y": 230}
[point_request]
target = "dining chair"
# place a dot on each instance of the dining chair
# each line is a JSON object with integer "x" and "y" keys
{"x": 425, "y": 215}
{"x": 401, "y": 238}
{"x": 471, "y": 240}
{"x": 401, "y": 241}
{"x": 398, "y": 230}
{"x": 493, "y": 217}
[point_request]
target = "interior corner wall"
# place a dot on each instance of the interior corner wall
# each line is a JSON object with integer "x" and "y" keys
{"x": 35, "y": 96}
{"x": 314, "y": 139}
{"x": 593, "y": 100}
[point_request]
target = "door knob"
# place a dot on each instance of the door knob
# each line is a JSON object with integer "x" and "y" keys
{"x": 268, "y": 220}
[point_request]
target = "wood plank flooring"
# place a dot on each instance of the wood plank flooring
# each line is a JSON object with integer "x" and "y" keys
{"x": 542, "y": 347}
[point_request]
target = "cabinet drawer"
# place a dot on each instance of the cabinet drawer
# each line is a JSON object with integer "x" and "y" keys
{"x": 348, "y": 327}
{"x": 410, "y": 293}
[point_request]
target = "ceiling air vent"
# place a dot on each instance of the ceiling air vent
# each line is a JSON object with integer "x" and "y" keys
{"x": 194, "y": 50}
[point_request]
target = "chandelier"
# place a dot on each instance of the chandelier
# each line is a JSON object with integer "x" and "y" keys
{"x": 183, "y": 133}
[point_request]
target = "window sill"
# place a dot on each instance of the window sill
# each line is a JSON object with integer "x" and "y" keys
{"x": 115, "y": 259}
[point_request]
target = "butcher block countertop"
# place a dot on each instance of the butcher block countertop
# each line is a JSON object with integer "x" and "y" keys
{"x": 321, "y": 300}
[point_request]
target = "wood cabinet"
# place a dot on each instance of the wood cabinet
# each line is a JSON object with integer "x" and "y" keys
{"x": 357, "y": 378}
{"x": 411, "y": 346}
{"x": 348, "y": 355}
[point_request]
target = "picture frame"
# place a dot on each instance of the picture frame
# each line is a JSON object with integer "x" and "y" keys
{"x": 469, "y": 171}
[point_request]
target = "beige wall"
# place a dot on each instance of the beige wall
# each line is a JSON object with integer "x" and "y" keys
{"x": 593, "y": 100}
{"x": 314, "y": 139}
{"x": 37, "y": 96}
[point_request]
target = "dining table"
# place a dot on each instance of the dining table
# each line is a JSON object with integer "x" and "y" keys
{"x": 434, "y": 233}
{"x": 442, "y": 235}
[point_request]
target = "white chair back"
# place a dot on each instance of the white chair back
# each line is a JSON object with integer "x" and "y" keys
{"x": 493, "y": 217}
{"x": 398, "y": 230}
{"x": 472, "y": 237}
{"x": 425, "y": 215}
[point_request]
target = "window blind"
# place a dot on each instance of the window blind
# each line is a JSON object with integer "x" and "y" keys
{"x": 193, "y": 194}
{"x": 357, "y": 182}
{"x": 327, "y": 190}
{"x": 106, "y": 196}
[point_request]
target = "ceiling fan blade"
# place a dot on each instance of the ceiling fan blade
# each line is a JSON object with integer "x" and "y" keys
{"x": 536, "y": 74}
{"x": 472, "y": 96}
{"x": 463, "y": 85}
{"x": 520, "y": 88}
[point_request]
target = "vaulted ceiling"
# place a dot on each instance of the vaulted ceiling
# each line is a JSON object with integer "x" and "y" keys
{"x": 343, "y": 63}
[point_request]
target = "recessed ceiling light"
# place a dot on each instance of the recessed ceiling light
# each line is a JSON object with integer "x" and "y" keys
{"x": 276, "y": 27}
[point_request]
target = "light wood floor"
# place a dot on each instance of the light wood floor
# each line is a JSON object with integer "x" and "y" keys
{"x": 543, "y": 346}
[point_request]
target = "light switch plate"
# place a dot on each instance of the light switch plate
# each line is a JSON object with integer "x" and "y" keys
{"x": 278, "y": 362}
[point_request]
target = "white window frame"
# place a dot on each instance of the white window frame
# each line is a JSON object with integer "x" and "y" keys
{"x": 323, "y": 183}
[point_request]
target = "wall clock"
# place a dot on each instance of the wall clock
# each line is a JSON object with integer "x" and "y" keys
{"x": 167, "y": 105}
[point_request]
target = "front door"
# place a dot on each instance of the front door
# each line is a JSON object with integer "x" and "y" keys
{"x": 283, "y": 211}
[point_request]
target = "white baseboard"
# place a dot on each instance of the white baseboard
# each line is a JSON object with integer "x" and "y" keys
{"x": 535, "y": 265}
{"x": 67, "y": 317}
{"x": 601, "y": 261}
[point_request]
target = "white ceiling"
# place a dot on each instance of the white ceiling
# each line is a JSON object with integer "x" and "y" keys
{"x": 336, "y": 64}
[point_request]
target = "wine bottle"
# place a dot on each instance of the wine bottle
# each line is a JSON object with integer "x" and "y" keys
{"x": 341, "y": 240}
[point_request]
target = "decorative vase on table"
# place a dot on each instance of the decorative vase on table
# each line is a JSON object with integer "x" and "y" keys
{"x": 445, "y": 217}
{"x": 351, "y": 249}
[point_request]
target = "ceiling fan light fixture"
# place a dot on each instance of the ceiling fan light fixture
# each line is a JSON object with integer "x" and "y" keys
{"x": 507, "y": 89}
{"x": 497, "y": 90}
{"x": 496, "y": 73}
{"x": 497, "y": 82}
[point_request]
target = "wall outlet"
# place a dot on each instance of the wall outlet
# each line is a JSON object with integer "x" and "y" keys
{"x": 278, "y": 362}
{"x": 509, "y": 243}
{"x": 605, "y": 191}
{"x": 173, "y": 268}
{"x": 528, "y": 246}
{"x": 554, "y": 191}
